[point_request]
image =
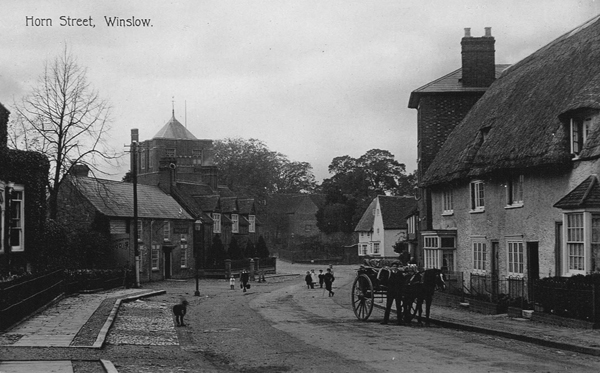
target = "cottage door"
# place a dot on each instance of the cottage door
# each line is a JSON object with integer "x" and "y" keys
{"x": 494, "y": 268}
{"x": 167, "y": 250}
{"x": 595, "y": 242}
{"x": 533, "y": 266}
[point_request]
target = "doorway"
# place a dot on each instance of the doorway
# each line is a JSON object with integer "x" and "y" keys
{"x": 533, "y": 266}
{"x": 167, "y": 250}
{"x": 494, "y": 268}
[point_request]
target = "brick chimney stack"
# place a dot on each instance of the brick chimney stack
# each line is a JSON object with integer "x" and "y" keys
{"x": 3, "y": 128}
{"x": 80, "y": 170}
{"x": 478, "y": 59}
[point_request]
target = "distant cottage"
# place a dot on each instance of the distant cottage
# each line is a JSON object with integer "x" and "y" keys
{"x": 383, "y": 225}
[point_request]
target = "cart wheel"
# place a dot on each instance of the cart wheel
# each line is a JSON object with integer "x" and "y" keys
{"x": 362, "y": 297}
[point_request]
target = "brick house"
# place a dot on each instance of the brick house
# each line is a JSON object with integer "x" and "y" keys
{"x": 23, "y": 178}
{"x": 383, "y": 224}
{"x": 441, "y": 105}
{"x": 292, "y": 218}
{"x": 165, "y": 229}
{"x": 515, "y": 184}
{"x": 183, "y": 167}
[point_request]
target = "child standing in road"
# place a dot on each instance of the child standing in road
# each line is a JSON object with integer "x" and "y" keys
{"x": 329, "y": 281}
{"x": 308, "y": 279}
{"x": 232, "y": 283}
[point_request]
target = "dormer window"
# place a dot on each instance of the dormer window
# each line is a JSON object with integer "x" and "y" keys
{"x": 484, "y": 133}
{"x": 235, "y": 223}
{"x": 579, "y": 130}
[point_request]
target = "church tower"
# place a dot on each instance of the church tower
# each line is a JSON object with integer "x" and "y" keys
{"x": 175, "y": 154}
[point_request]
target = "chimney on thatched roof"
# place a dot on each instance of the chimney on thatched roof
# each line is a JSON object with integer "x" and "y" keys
{"x": 478, "y": 59}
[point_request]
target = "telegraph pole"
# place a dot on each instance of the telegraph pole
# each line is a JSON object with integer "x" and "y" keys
{"x": 136, "y": 248}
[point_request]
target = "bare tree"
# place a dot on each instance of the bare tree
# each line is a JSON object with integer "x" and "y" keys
{"x": 64, "y": 118}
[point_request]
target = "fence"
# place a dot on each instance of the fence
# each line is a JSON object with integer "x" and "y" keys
{"x": 488, "y": 288}
{"x": 88, "y": 280}
{"x": 576, "y": 298}
{"x": 19, "y": 299}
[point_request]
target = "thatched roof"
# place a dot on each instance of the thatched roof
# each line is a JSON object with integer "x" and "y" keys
{"x": 517, "y": 122}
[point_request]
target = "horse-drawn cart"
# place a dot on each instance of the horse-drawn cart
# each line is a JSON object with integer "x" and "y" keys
{"x": 370, "y": 286}
{"x": 365, "y": 289}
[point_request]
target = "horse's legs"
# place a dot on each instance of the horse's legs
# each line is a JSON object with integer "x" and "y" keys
{"x": 419, "y": 310}
{"x": 427, "y": 308}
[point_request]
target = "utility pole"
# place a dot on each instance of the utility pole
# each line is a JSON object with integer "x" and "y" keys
{"x": 136, "y": 248}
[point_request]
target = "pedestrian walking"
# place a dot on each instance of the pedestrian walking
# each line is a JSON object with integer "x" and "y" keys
{"x": 308, "y": 280}
{"x": 321, "y": 278}
{"x": 244, "y": 278}
{"x": 232, "y": 283}
{"x": 328, "y": 280}
{"x": 315, "y": 278}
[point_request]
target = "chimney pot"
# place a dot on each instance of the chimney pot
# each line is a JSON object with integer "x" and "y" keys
{"x": 135, "y": 137}
{"x": 488, "y": 31}
{"x": 467, "y": 32}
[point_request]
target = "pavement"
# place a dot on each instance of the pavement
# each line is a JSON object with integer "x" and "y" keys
{"x": 57, "y": 325}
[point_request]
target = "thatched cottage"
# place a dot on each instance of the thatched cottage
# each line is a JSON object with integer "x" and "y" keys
{"x": 516, "y": 181}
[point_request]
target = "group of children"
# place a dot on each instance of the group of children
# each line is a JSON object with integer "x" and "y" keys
{"x": 326, "y": 279}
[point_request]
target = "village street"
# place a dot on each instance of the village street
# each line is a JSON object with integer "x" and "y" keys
{"x": 280, "y": 326}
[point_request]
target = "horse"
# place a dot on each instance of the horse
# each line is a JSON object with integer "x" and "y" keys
{"x": 421, "y": 288}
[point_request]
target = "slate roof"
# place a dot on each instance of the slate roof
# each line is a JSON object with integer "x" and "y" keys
{"x": 394, "y": 210}
{"x": 208, "y": 203}
{"x": 174, "y": 130}
{"x": 246, "y": 206}
{"x": 517, "y": 123}
{"x": 115, "y": 199}
{"x": 365, "y": 224}
{"x": 229, "y": 205}
{"x": 451, "y": 82}
{"x": 585, "y": 195}
{"x": 289, "y": 203}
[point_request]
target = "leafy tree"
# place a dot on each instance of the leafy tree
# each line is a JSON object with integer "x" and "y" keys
{"x": 64, "y": 118}
{"x": 250, "y": 250}
{"x": 261, "y": 248}
{"x": 235, "y": 251}
{"x": 217, "y": 254}
{"x": 251, "y": 166}
{"x": 354, "y": 184}
{"x": 295, "y": 177}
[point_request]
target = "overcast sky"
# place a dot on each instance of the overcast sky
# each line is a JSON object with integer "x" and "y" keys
{"x": 312, "y": 79}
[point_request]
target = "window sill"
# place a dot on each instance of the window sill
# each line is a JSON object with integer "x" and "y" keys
{"x": 515, "y": 206}
{"x": 478, "y": 211}
{"x": 448, "y": 213}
